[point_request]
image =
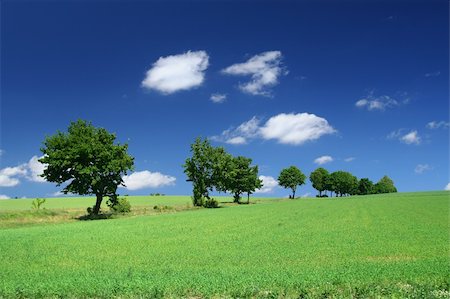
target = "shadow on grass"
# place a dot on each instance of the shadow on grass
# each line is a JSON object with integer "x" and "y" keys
{"x": 101, "y": 216}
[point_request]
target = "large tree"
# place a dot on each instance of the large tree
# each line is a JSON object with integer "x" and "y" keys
{"x": 318, "y": 179}
{"x": 291, "y": 178}
{"x": 205, "y": 169}
{"x": 88, "y": 159}
{"x": 365, "y": 186}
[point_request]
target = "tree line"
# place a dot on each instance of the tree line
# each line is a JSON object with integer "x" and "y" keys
{"x": 87, "y": 161}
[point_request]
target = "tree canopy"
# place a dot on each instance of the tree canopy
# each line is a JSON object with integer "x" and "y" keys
{"x": 291, "y": 178}
{"x": 385, "y": 185}
{"x": 87, "y": 159}
{"x": 318, "y": 179}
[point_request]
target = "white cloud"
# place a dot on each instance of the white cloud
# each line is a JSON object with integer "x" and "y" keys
{"x": 323, "y": 160}
{"x": 349, "y": 159}
{"x": 264, "y": 69}
{"x": 9, "y": 176}
{"x": 371, "y": 102}
{"x": 438, "y": 124}
{"x": 306, "y": 195}
{"x": 218, "y": 98}
{"x": 411, "y": 138}
{"x": 236, "y": 140}
{"x": 290, "y": 128}
{"x": 241, "y": 134}
{"x": 269, "y": 184}
{"x": 3, "y": 196}
{"x": 295, "y": 129}
{"x": 35, "y": 169}
{"x": 421, "y": 168}
{"x": 177, "y": 72}
{"x": 447, "y": 188}
{"x": 147, "y": 179}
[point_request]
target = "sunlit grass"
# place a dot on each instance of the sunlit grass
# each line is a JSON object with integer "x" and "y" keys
{"x": 385, "y": 245}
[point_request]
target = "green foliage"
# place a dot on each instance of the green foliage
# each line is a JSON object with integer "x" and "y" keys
{"x": 88, "y": 159}
{"x": 291, "y": 178}
{"x": 241, "y": 177}
{"x": 37, "y": 203}
{"x": 211, "y": 203}
{"x": 119, "y": 205}
{"x": 318, "y": 179}
{"x": 385, "y": 185}
{"x": 365, "y": 186}
{"x": 342, "y": 183}
{"x": 205, "y": 169}
{"x": 361, "y": 247}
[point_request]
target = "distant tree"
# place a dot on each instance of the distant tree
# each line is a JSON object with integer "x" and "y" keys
{"x": 318, "y": 179}
{"x": 385, "y": 185}
{"x": 330, "y": 183}
{"x": 88, "y": 159}
{"x": 343, "y": 183}
{"x": 291, "y": 178}
{"x": 365, "y": 186}
{"x": 253, "y": 182}
{"x": 206, "y": 169}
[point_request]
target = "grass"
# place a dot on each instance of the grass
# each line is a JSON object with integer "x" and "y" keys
{"x": 372, "y": 246}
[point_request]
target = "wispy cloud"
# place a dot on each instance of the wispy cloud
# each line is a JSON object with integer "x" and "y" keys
{"x": 269, "y": 184}
{"x": 177, "y": 72}
{"x": 421, "y": 168}
{"x": 294, "y": 129}
{"x": 383, "y": 102}
{"x": 146, "y": 179}
{"x": 349, "y": 159}
{"x": 3, "y": 196}
{"x": 433, "y": 74}
{"x": 218, "y": 98}
{"x": 411, "y": 137}
{"x": 433, "y": 125}
{"x": 447, "y": 188}
{"x": 323, "y": 160}
{"x": 264, "y": 69}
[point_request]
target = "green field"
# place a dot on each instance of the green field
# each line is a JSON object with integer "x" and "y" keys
{"x": 394, "y": 245}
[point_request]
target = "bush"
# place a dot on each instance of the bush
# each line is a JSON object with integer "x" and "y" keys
{"x": 37, "y": 203}
{"x": 119, "y": 205}
{"x": 211, "y": 203}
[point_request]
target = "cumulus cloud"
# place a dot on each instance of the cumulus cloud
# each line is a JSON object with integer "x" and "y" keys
{"x": 3, "y": 196}
{"x": 9, "y": 176}
{"x": 409, "y": 138}
{"x": 269, "y": 184}
{"x": 421, "y": 168}
{"x": 295, "y": 129}
{"x": 218, "y": 98}
{"x": 349, "y": 159}
{"x": 291, "y": 128}
{"x": 146, "y": 179}
{"x": 264, "y": 69}
{"x": 433, "y": 125}
{"x": 323, "y": 160}
{"x": 447, "y": 188}
{"x": 177, "y": 72}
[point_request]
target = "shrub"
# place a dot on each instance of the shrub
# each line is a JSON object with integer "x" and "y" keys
{"x": 119, "y": 205}
{"x": 211, "y": 203}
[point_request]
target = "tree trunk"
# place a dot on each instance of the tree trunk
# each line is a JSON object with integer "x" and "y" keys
{"x": 320, "y": 193}
{"x": 237, "y": 197}
{"x": 293, "y": 193}
{"x": 98, "y": 204}
{"x": 248, "y": 197}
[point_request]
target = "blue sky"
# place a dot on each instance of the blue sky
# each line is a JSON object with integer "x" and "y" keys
{"x": 356, "y": 87}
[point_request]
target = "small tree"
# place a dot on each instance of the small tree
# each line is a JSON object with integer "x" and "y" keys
{"x": 291, "y": 178}
{"x": 88, "y": 159}
{"x": 318, "y": 179}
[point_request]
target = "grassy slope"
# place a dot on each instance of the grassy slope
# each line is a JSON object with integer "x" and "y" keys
{"x": 373, "y": 245}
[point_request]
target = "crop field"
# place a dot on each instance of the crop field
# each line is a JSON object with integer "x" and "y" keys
{"x": 394, "y": 246}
